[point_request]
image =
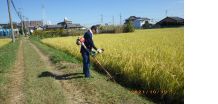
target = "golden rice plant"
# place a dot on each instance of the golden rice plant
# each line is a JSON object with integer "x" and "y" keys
{"x": 151, "y": 59}
{"x": 4, "y": 42}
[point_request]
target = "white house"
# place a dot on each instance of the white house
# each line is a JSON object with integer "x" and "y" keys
{"x": 138, "y": 22}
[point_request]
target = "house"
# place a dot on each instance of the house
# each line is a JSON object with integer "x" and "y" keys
{"x": 7, "y": 25}
{"x": 138, "y": 22}
{"x": 32, "y": 23}
{"x": 36, "y": 23}
{"x": 73, "y": 26}
{"x": 66, "y": 24}
{"x": 171, "y": 22}
{"x": 53, "y": 27}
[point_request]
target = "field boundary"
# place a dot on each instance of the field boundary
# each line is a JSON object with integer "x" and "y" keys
{"x": 16, "y": 78}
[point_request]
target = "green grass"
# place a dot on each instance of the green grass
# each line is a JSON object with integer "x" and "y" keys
{"x": 39, "y": 90}
{"x": 96, "y": 89}
{"x": 54, "y": 54}
{"x": 7, "y": 59}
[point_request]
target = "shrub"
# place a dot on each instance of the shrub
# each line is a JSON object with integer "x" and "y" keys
{"x": 128, "y": 27}
{"x": 147, "y": 25}
{"x": 111, "y": 29}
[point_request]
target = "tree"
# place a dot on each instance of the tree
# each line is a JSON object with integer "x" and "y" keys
{"x": 147, "y": 25}
{"x": 128, "y": 27}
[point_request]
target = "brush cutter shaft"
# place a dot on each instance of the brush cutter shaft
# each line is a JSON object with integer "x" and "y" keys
{"x": 99, "y": 62}
{"x": 103, "y": 68}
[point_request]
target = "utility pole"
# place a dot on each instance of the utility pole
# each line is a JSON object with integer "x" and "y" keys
{"x": 9, "y": 12}
{"x": 28, "y": 25}
{"x": 43, "y": 14}
{"x": 113, "y": 20}
{"x": 120, "y": 19}
{"x": 166, "y": 13}
{"x": 20, "y": 15}
{"x": 24, "y": 25}
{"x": 102, "y": 19}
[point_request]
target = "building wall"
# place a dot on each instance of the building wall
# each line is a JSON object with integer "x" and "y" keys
{"x": 36, "y": 23}
{"x": 168, "y": 22}
{"x": 33, "y": 23}
{"x": 138, "y": 23}
{"x": 7, "y": 32}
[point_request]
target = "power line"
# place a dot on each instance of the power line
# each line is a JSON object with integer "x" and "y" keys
{"x": 16, "y": 10}
{"x": 19, "y": 15}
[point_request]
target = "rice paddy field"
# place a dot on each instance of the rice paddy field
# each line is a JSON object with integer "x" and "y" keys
{"x": 148, "y": 60}
{"x": 4, "y": 42}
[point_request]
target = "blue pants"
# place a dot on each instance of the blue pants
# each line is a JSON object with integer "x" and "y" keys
{"x": 86, "y": 64}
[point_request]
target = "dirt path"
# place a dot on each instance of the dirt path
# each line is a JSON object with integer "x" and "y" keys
{"x": 16, "y": 79}
{"x": 73, "y": 94}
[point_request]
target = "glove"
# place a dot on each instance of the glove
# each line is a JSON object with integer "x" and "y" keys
{"x": 99, "y": 50}
{"x": 93, "y": 53}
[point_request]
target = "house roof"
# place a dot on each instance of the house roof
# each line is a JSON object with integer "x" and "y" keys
{"x": 132, "y": 18}
{"x": 177, "y": 19}
{"x": 74, "y": 26}
{"x": 53, "y": 26}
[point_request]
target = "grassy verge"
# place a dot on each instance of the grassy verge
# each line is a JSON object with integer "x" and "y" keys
{"x": 97, "y": 89}
{"x": 39, "y": 90}
{"x": 7, "y": 59}
{"x": 54, "y": 54}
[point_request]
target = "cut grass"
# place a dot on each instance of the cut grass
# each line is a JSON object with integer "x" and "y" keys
{"x": 55, "y": 55}
{"x": 7, "y": 59}
{"x": 39, "y": 90}
{"x": 97, "y": 89}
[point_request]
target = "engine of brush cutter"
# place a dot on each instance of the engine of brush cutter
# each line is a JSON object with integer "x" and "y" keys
{"x": 93, "y": 53}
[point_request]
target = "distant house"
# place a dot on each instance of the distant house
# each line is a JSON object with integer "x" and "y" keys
{"x": 33, "y": 28}
{"x": 7, "y": 25}
{"x": 171, "y": 22}
{"x": 66, "y": 21}
{"x": 53, "y": 27}
{"x": 138, "y": 22}
{"x": 32, "y": 23}
{"x": 67, "y": 24}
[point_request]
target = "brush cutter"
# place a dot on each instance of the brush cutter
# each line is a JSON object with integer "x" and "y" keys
{"x": 80, "y": 41}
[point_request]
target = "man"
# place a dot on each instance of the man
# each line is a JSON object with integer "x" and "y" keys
{"x": 85, "y": 51}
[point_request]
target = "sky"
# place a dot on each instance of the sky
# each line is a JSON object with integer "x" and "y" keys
{"x": 88, "y": 12}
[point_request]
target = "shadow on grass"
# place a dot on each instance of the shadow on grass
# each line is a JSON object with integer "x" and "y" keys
{"x": 61, "y": 77}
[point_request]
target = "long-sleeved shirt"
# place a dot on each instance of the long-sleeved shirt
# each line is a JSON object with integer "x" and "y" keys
{"x": 89, "y": 43}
